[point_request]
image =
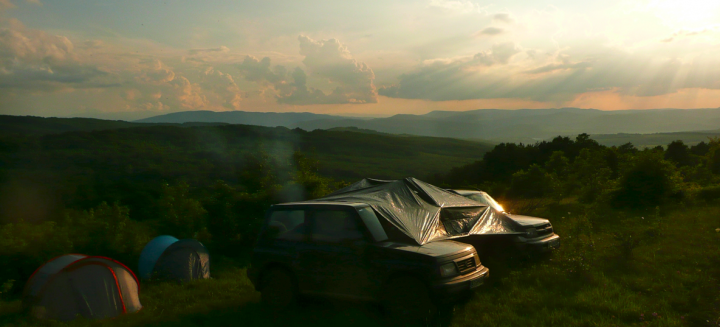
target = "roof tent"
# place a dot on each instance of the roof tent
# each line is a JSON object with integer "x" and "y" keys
{"x": 167, "y": 257}
{"x": 75, "y": 284}
{"x": 423, "y": 211}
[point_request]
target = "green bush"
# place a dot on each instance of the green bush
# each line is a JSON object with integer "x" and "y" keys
{"x": 647, "y": 181}
{"x": 107, "y": 230}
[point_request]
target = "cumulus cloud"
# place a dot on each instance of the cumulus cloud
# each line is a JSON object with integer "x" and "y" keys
{"x": 34, "y": 59}
{"x": 328, "y": 60}
{"x": 223, "y": 88}
{"x": 502, "y": 17}
{"x": 490, "y": 31}
{"x": 37, "y": 61}
{"x": 155, "y": 72}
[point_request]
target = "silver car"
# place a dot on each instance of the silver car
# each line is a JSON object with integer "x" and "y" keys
{"x": 538, "y": 232}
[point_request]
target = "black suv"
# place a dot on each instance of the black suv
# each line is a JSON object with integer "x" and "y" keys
{"x": 342, "y": 249}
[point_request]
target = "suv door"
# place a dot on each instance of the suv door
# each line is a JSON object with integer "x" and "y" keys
{"x": 335, "y": 254}
{"x": 287, "y": 229}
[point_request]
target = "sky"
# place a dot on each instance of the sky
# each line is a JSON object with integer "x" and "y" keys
{"x": 135, "y": 59}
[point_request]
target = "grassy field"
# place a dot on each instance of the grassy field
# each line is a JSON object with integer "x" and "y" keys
{"x": 655, "y": 268}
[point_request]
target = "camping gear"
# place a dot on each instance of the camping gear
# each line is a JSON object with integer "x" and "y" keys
{"x": 76, "y": 284}
{"x": 423, "y": 211}
{"x": 170, "y": 258}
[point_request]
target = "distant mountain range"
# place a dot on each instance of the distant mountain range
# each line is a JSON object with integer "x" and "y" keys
{"x": 270, "y": 119}
{"x": 522, "y": 125}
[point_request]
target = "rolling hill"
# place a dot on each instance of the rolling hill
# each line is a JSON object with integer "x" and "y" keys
{"x": 522, "y": 125}
{"x": 344, "y": 154}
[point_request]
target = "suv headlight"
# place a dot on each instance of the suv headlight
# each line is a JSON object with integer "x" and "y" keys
{"x": 448, "y": 270}
{"x": 531, "y": 232}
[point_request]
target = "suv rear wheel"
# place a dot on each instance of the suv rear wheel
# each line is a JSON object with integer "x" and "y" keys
{"x": 407, "y": 300}
{"x": 278, "y": 289}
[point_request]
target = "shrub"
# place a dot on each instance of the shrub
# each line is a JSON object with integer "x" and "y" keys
{"x": 25, "y": 246}
{"x": 709, "y": 194}
{"x": 647, "y": 181}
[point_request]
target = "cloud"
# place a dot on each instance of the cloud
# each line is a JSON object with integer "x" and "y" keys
{"x": 461, "y": 6}
{"x": 490, "y": 31}
{"x": 559, "y": 80}
{"x": 222, "y": 89}
{"x": 189, "y": 94}
{"x": 564, "y": 63}
{"x": 221, "y": 49}
{"x": 502, "y": 17}
{"x": 500, "y": 54}
{"x": 155, "y": 73}
{"x": 34, "y": 59}
{"x": 331, "y": 59}
{"x": 685, "y": 33}
{"x": 6, "y": 4}
{"x": 327, "y": 60}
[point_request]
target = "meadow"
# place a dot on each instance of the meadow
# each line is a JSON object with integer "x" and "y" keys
{"x": 657, "y": 267}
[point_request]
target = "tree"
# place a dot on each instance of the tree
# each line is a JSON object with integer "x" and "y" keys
{"x": 558, "y": 165}
{"x": 678, "y": 153}
{"x": 627, "y": 148}
{"x": 534, "y": 182}
{"x": 590, "y": 174}
{"x": 700, "y": 149}
{"x": 180, "y": 215}
{"x": 258, "y": 171}
{"x": 306, "y": 176}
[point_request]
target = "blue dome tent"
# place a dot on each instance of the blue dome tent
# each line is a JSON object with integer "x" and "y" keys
{"x": 167, "y": 257}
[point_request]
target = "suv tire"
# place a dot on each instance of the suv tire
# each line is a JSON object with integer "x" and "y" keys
{"x": 278, "y": 289}
{"x": 407, "y": 300}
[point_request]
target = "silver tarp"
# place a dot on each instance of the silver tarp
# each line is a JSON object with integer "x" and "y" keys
{"x": 423, "y": 211}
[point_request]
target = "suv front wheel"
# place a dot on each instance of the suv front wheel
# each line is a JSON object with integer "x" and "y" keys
{"x": 278, "y": 289}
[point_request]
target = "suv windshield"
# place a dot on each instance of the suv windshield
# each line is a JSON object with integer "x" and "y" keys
{"x": 485, "y": 199}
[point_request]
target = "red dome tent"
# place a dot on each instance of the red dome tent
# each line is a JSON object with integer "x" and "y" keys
{"x": 76, "y": 284}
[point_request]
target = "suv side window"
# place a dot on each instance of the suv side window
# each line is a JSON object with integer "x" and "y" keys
{"x": 287, "y": 225}
{"x": 336, "y": 225}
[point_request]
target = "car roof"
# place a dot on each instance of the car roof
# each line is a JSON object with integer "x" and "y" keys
{"x": 321, "y": 203}
{"x": 461, "y": 192}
